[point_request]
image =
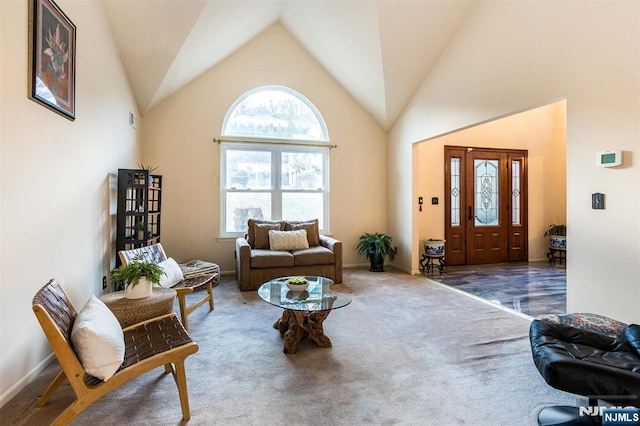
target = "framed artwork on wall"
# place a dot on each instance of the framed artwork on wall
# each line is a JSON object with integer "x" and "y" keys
{"x": 52, "y": 57}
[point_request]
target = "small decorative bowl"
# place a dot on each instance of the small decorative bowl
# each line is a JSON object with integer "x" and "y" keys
{"x": 297, "y": 284}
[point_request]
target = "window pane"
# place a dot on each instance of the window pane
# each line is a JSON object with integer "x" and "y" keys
{"x": 515, "y": 192}
{"x": 486, "y": 190}
{"x": 248, "y": 169}
{"x": 262, "y": 177}
{"x": 242, "y": 206}
{"x": 303, "y": 206}
{"x": 302, "y": 170}
{"x": 275, "y": 112}
{"x": 455, "y": 192}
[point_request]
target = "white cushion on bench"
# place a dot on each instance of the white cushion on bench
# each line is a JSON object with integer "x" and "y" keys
{"x": 98, "y": 339}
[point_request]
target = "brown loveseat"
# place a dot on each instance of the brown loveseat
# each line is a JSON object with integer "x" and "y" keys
{"x": 258, "y": 260}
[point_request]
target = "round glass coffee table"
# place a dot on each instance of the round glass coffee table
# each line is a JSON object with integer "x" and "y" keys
{"x": 304, "y": 311}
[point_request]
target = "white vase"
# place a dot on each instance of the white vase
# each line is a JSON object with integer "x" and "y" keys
{"x": 141, "y": 290}
{"x": 558, "y": 242}
{"x": 434, "y": 247}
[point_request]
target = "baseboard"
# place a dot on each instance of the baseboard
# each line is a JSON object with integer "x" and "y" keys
{"x": 355, "y": 265}
{"x": 22, "y": 383}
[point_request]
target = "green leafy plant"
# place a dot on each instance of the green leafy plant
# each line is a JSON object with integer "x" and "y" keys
{"x": 129, "y": 274}
{"x": 140, "y": 227}
{"x": 557, "y": 230}
{"x": 150, "y": 169}
{"x": 297, "y": 281}
{"x": 376, "y": 247}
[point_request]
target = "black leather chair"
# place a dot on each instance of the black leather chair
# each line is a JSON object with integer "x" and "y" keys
{"x": 589, "y": 355}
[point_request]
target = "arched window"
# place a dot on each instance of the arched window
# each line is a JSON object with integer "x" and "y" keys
{"x": 274, "y": 112}
{"x": 274, "y": 160}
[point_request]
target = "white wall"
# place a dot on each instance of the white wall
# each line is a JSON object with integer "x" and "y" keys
{"x": 510, "y": 56}
{"x": 56, "y": 209}
{"x": 178, "y": 138}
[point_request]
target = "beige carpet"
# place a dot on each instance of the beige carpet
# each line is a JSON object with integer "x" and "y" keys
{"x": 405, "y": 351}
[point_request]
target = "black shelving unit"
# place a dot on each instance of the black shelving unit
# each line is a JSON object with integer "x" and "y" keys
{"x": 139, "y": 205}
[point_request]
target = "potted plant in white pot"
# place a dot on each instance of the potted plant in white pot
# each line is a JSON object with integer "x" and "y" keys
{"x": 376, "y": 247}
{"x": 137, "y": 278}
{"x": 557, "y": 236}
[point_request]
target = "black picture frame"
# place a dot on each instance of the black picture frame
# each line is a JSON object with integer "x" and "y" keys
{"x": 52, "y": 58}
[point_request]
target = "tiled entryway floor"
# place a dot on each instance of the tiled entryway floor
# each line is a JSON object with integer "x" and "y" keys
{"x": 533, "y": 288}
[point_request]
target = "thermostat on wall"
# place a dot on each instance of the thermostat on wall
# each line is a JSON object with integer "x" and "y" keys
{"x": 609, "y": 158}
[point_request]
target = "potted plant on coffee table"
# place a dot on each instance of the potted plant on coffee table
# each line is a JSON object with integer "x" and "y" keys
{"x": 137, "y": 278}
{"x": 376, "y": 247}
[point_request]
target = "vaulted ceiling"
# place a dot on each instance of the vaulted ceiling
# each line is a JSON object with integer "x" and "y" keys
{"x": 378, "y": 50}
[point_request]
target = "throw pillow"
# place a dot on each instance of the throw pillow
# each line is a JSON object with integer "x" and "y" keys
{"x": 251, "y": 230}
{"x": 312, "y": 228}
{"x": 261, "y": 231}
{"x": 632, "y": 334}
{"x": 288, "y": 240}
{"x": 98, "y": 339}
{"x": 172, "y": 273}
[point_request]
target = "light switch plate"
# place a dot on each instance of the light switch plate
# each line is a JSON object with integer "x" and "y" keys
{"x": 597, "y": 201}
{"x": 133, "y": 121}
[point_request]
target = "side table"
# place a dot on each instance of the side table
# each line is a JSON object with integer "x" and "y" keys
{"x": 132, "y": 311}
{"x": 427, "y": 262}
{"x": 557, "y": 254}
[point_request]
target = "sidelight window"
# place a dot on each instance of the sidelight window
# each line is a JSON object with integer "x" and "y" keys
{"x": 516, "y": 191}
{"x": 455, "y": 192}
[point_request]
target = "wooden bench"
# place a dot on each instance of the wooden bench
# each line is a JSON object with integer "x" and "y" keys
{"x": 193, "y": 280}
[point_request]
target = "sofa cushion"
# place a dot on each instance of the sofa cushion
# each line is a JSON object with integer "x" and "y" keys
{"x": 261, "y": 259}
{"x": 251, "y": 231}
{"x": 261, "y": 231}
{"x": 632, "y": 335}
{"x": 311, "y": 226}
{"x": 317, "y": 255}
{"x": 288, "y": 240}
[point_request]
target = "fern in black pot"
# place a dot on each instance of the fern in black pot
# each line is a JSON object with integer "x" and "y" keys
{"x": 376, "y": 247}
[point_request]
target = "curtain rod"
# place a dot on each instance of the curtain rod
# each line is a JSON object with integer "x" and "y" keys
{"x": 276, "y": 141}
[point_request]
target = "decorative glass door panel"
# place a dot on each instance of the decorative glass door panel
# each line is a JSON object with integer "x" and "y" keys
{"x": 487, "y": 200}
{"x": 516, "y": 191}
{"x": 518, "y": 233}
{"x": 455, "y": 192}
{"x": 455, "y": 206}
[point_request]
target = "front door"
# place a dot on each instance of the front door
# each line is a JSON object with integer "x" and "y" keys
{"x": 486, "y": 205}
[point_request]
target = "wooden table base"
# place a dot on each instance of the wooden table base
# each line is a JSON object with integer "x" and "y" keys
{"x": 297, "y": 325}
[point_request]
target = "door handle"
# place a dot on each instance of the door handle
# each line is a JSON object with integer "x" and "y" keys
{"x": 469, "y": 213}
